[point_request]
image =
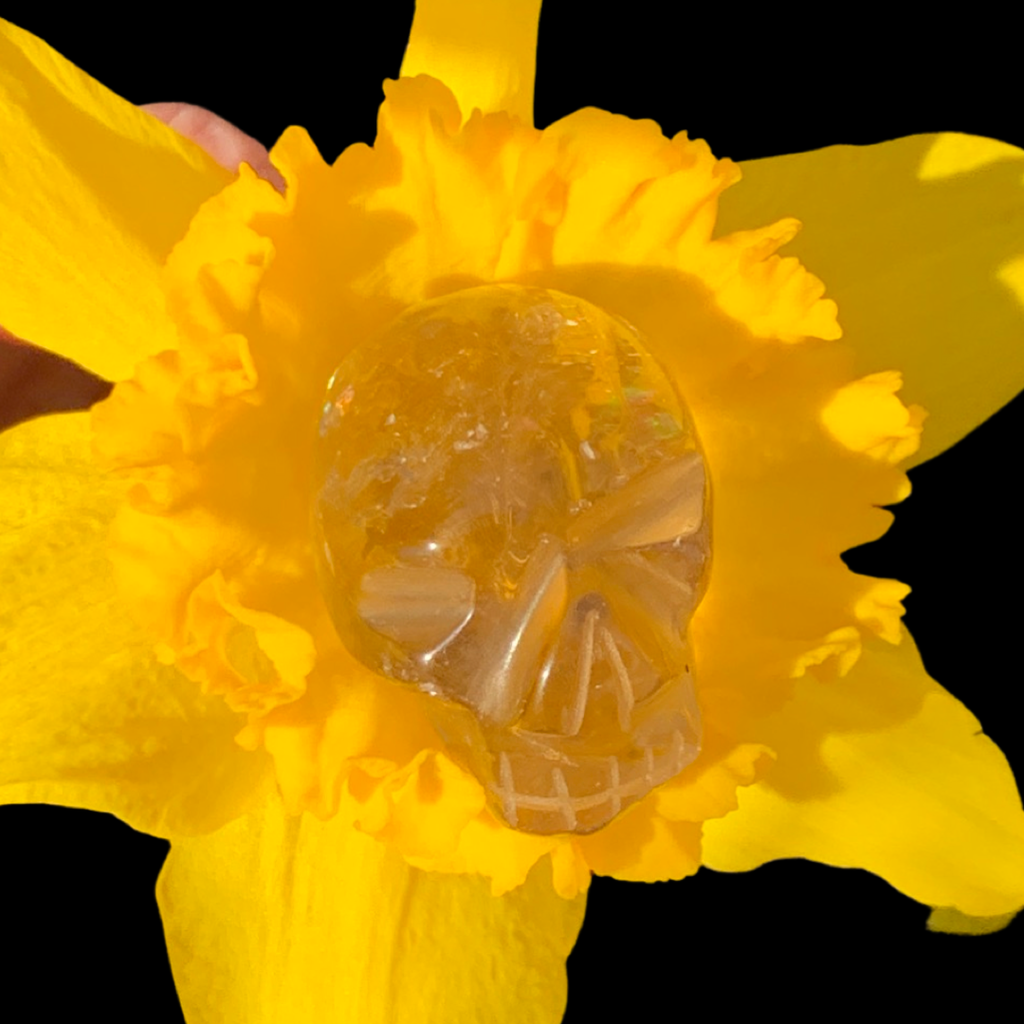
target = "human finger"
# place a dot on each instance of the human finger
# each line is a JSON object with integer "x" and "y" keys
{"x": 228, "y": 145}
{"x": 34, "y": 382}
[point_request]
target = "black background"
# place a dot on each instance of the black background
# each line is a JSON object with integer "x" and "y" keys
{"x": 79, "y": 930}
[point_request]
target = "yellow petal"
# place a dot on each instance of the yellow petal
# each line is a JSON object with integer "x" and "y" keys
{"x": 486, "y": 53}
{"x": 94, "y": 194}
{"x": 921, "y": 241}
{"x": 289, "y": 920}
{"x": 952, "y": 922}
{"x": 88, "y": 717}
{"x": 885, "y": 770}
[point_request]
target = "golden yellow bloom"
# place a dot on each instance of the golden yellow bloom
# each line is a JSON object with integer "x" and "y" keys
{"x": 169, "y": 656}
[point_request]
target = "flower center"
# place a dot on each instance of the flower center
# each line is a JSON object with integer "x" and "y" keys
{"x": 511, "y": 514}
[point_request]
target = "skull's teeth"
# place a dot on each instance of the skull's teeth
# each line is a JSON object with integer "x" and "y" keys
{"x": 561, "y": 801}
{"x": 565, "y": 802}
{"x": 614, "y": 785}
{"x": 679, "y": 749}
{"x": 649, "y": 765}
{"x": 508, "y": 789}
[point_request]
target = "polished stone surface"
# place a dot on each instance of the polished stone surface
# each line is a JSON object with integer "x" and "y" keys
{"x": 513, "y": 515}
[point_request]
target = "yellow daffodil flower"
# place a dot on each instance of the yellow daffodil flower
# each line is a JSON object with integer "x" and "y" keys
{"x": 169, "y": 653}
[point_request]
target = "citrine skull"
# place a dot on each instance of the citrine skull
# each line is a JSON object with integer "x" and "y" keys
{"x": 512, "y": 515}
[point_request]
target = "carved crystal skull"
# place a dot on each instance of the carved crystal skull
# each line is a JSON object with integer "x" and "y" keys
{"x": 512, "y": 514}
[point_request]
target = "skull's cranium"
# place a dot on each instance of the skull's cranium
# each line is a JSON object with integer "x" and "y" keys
{"x": 512, "y": 515}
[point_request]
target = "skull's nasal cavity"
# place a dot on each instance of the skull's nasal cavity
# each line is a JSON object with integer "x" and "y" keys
{"x": 512, "y": 515}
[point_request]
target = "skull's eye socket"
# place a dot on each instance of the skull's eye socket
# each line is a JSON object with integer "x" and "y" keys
{"x": 419, "y": 608}
{"x": 512, "y": 513}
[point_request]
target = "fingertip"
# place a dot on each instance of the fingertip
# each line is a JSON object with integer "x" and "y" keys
{"x": 226, "y": 143}
{"x": 268, "y": 172}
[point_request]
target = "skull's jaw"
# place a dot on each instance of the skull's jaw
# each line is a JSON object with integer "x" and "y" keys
{"x": 546, "y": 783}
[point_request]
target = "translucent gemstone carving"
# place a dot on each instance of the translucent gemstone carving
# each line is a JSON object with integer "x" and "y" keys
{"x": 512, "y": 514}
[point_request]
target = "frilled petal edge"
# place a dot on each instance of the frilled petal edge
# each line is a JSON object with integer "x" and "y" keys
{"x": 88, "y": 716}
{"x": 921, "y": 241}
